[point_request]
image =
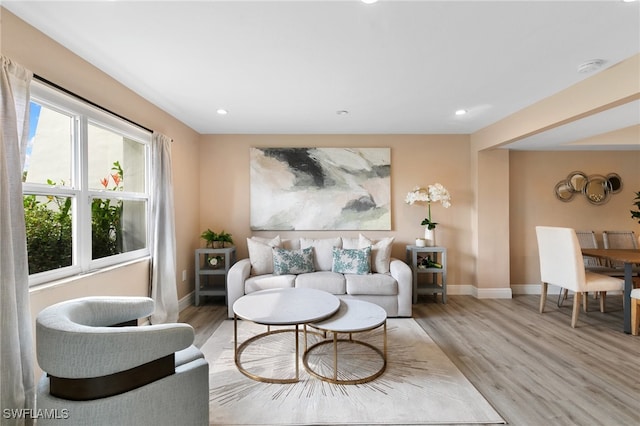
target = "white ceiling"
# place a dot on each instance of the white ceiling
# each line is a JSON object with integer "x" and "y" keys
{"x": 398, "y": 67}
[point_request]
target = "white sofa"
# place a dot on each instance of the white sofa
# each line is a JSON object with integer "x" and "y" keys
{"x": 336, "y": 265}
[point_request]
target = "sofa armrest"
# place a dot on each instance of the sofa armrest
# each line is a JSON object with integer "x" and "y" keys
{"x": 236, "y": 277}
{"x": 402, "y": 274}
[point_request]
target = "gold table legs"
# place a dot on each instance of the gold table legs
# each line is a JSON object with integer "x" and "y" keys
{"x": 353, "y": 381}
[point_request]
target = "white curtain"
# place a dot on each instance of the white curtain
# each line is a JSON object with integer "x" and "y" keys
{"x": 17, "y": 383}
{"x": 163, "y": 235}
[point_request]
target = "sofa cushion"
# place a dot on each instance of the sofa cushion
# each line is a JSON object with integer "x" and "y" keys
{"x": 380, "y": 253}
{"x": 260, "y": 254}
{"x": 373, "y": 284}
{"x": 268, "y": 281}
{"x": 292, "y": 261}
{"x": 328, "y": 281}
{"x": 322, "y": 251}
{"x": 352, "y": 261}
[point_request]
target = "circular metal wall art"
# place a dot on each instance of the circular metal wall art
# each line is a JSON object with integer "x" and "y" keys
{"x": 564, "y": 191}
{"x": 596, "y": 188}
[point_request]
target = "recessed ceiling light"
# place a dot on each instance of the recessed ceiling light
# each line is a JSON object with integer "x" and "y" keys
{"x": 342, "y": 112}
{"x": 461, "y": 112}
{"x": 368, "y": 1}
{"x": 590, "y": 65}
{"x": 222, "y": 111}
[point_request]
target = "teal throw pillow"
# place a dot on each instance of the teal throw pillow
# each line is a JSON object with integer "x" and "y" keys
{"x": 352, "y": 261}
{"x": 292, "y": 261}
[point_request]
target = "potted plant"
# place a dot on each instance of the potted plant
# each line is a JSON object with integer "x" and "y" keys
{"x": 635, "y": 214}
{"x": 224, "y": 238}
{"x": 216, "y": 240}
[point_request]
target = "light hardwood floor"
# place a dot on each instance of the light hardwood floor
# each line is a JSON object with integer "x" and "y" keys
{"x": 534, "y": 369}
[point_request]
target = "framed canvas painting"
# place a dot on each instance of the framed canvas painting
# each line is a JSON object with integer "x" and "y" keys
{"x": 320, "y": 188}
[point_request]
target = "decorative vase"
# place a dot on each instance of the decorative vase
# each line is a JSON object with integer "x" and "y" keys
{"x": 430, "y": 237}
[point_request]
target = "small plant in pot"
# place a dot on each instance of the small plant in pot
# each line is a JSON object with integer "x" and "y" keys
{"x": 216, "y": 240}
{"x": 635, "y": 214}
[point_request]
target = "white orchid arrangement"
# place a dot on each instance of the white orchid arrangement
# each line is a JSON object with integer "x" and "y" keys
{"x": 433, "y": 193}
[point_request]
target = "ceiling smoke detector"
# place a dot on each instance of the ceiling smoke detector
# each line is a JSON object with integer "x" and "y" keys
{"x": 590, "y": 65}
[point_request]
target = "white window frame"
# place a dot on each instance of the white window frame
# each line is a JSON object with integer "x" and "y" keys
{"x": 82, "y": 113}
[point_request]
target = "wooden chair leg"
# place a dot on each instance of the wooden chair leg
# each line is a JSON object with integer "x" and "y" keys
{"x": 576, "y": 309}
{"x": 543, "y": 296}
{"x": 635, "y": 316}
{"x": 603, "y": 297}
{"x": 585, "y": 302}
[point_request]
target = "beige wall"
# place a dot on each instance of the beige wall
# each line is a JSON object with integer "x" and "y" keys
{"x": 32, "y": 49}
{"x": 533, "y": 176}
{"x": 416, "y": 160}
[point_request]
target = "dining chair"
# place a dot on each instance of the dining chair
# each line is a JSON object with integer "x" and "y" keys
{"x": 561, "y": 264}
{"x": 620, "y": 240}
{"x": 635, "y": 311}
{"x": 587, "y": 240}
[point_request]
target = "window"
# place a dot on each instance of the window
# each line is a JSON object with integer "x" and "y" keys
{"x": 85, "y": 187}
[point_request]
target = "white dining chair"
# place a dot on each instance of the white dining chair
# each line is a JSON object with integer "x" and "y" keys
{"x": 561, "y": 264}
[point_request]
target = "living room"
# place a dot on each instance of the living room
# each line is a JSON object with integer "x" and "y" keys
{"x": 496, "y": 192}
{"x": 498, "y": 195}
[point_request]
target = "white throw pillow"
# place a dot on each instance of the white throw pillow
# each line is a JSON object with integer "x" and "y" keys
{"x": 380, "y": 253}
{"x": 322, "y": 251}
{"x": 261, "y": 255}
{"x": 351, "y": 243}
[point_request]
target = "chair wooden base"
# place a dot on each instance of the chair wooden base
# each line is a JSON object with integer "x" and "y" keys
{"x": 577, "y": 297}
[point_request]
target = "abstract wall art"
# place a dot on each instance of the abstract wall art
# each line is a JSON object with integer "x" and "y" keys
{"x": 320, "y": 188}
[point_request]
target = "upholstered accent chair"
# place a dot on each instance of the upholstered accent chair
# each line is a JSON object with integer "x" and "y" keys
{"x": 101, "y": 368}
{"x": 561, "y": 264}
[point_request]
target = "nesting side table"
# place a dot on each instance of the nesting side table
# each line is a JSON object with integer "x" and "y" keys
{"x": 437, "y": 276}
{"x": 212, "y": 266}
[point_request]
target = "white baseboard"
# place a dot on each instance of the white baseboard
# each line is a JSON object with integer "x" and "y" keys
{"x": 479, "y": 293}
{"x": 186, "y": 301}
{"x": 453, "y": 290}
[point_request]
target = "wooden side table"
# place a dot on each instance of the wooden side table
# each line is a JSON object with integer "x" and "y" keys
{"x": 212, "y": 266}
{"x": 415, "y": 259}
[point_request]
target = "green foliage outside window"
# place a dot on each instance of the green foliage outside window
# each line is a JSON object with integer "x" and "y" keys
{"x": 49, "y": 226}
{"x": 106, "y": 218}
{"x": 48, "y": 232}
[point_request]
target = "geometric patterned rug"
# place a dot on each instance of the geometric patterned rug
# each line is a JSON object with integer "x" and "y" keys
{"x": 420, "y": 385}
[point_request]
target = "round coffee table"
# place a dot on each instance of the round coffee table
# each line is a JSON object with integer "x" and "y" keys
{"x": 280, "y": 307}
{"x": 354, "y": 316}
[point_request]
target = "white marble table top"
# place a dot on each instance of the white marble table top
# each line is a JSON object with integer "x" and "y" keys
{"x": 286, "y": 306}
{"x": 353, "y": 316}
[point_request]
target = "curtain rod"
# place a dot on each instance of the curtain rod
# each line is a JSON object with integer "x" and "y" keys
{"x": 69, "y": 92}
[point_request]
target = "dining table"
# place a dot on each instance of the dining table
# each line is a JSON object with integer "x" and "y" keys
{"x": 629, "y": 257}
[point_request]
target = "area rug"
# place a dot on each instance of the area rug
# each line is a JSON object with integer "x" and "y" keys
{"x": 420, "y": 385}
